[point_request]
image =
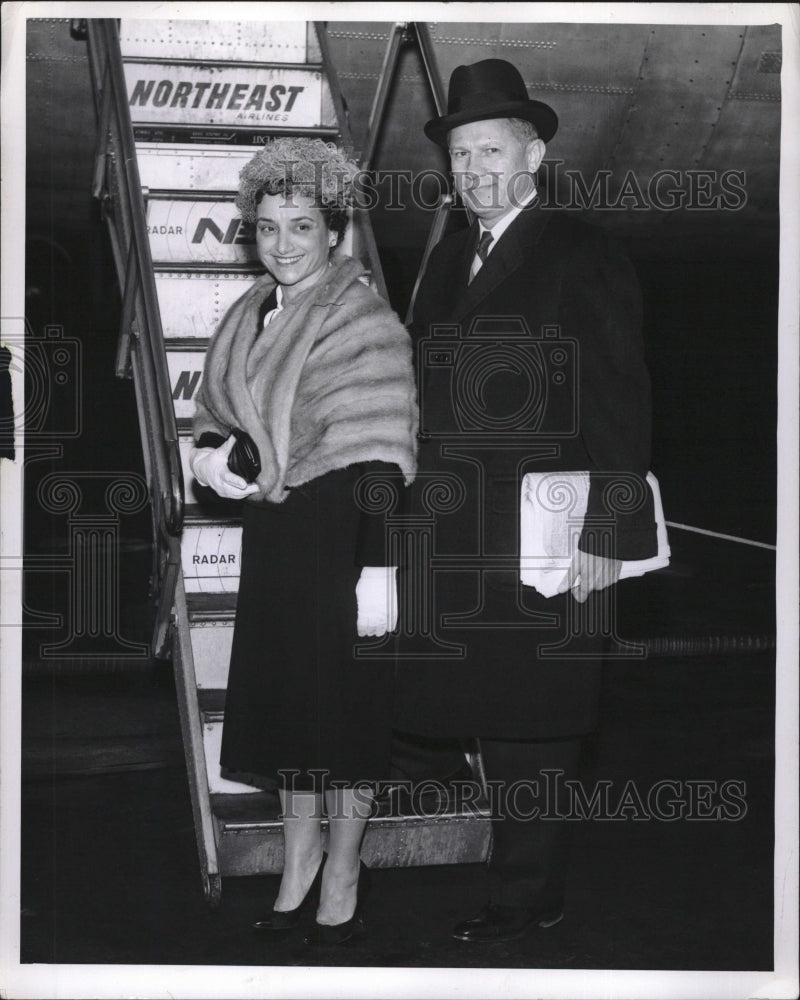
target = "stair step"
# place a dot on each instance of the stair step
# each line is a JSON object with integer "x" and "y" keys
{"x": 214, "y": 507}
{"x": 211, "y": 700}
{"x": 169, "y": 166}
{"x": 221, "y": 40}
{"x": 258, "y": 809}
{"x": 239, "y": 810}
{"x": 250, "y": 835}
{"x": 199, "y": 230}
{"x": 192, "y": 303}
{"x": 203, "y": 231}
{"x": 452, "y": 828}
{"x": 248, "y": 138}
{"x": 211, "y": 607}
{"x": 210, "y": 555}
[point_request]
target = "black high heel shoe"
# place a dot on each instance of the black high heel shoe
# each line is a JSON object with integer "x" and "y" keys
{"x": 286, "y": 920}
{"x": 328, "y": 935}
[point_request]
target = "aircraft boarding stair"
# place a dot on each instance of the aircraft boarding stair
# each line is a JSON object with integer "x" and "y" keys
{"x": 181, "y": 106}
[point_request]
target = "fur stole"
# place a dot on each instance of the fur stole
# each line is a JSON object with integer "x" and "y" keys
{"x": 328, "y": 383}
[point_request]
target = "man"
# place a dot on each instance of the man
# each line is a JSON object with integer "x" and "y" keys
{"x": 527, "y": 328}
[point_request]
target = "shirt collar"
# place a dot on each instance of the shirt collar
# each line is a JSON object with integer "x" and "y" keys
{"x": 269, "y": 316}
{"x": 505, "y": 221}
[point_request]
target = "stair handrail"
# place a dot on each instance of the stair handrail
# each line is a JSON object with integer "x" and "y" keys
{"x": 361, "y": 218}
{"x": 401, "y": 33}
{"x": 141, "y": 316}
{"x": 104, "y": 39}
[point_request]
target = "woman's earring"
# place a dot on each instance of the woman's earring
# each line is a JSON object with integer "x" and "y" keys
{"x": 333, "y": 242}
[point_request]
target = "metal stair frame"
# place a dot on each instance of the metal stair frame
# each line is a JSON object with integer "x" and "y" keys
{"x": 141, "y": 353}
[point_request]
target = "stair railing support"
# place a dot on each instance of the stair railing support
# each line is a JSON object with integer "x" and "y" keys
{"x": 140, "y": 311}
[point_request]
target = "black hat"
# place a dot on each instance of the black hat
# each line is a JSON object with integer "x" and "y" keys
{"x": 492, "y": 88}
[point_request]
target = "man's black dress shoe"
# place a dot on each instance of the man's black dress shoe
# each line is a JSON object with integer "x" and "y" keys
{"x": 504, "y": 923}
{"x": 286, "y": 920}
{"x": 327, "y": 935}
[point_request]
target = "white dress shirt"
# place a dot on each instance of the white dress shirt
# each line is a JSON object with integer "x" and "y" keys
{"x": 278, "y": 308}
{"x": 498, "y": 228}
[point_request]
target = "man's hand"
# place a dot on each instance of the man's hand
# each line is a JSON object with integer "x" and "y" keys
{"x": 587, "y": 573}
{"x": 210, "y": 468}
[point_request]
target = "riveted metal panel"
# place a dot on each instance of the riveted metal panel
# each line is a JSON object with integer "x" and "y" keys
{"x": 758, "y": 71}
{"x": 257, "y": 852}
{"x": 589, "y": 124}
{"x": 678, "y": 101}
{"x": 736, "y": 153}
{"x": 192, "y": 303}
{"x": 219, "y": 95}
{"x": 552, "y": 58}
{"x": 211, "y": 652}
{"x": 407, "y": 842}
{"x": 210, "y": 557}
{"x": 223, "y": 40}
{"x": 528, "y": 46}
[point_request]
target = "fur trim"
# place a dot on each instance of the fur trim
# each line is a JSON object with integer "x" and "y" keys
{"x": 327, "y": 384}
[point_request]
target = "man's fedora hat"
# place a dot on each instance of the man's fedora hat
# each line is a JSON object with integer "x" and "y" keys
{"x": 492, "y": 88}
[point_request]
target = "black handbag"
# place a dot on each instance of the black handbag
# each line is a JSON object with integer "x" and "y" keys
{"x": 244, "y": 459}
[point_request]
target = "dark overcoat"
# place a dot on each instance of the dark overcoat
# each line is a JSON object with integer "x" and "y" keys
{"x": 537, "y": 365}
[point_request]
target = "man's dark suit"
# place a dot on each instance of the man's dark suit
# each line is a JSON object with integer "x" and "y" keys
{"x": 580, "y": 392}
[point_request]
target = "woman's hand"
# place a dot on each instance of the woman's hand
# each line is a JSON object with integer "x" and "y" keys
{"x": 376, "y": 596}
{"x": 210, "y": 468}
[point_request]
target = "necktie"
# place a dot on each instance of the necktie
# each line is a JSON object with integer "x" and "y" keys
{"x": 481, "y": 253}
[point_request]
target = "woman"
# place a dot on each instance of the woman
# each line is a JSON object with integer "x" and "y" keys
{"x": 316, "y": 368}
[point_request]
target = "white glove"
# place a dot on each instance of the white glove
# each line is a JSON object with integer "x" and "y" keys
{"x": 376, "y": 596}
{"x": 210, "y": 468}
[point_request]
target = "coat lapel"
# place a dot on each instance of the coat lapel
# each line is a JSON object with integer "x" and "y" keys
{"x": 509, "y": 254}
{"x": 468, "y": 254}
